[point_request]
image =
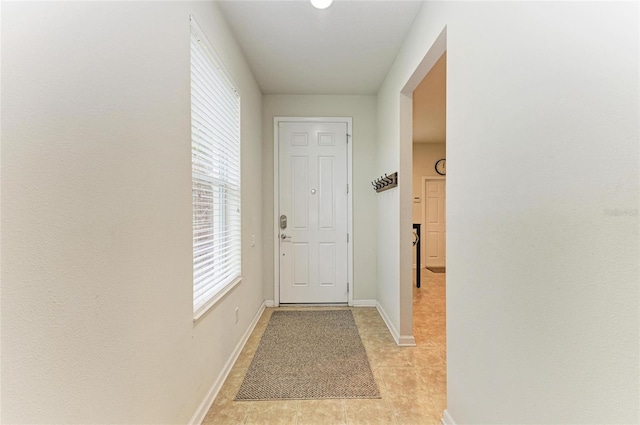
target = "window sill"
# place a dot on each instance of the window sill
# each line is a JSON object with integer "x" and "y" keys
{"x": 215, "y": 299}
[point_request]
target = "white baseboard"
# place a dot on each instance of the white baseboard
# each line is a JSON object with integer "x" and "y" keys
{"x": 205, "y": 405}
{"x": 364, "y": 303}
{"x": 407, "y": 341}
{"x": 269, "y": 303}
{"x": 387, "y": 321}
{"x": 401, "y": 340}
{"x": 447, "y": 419}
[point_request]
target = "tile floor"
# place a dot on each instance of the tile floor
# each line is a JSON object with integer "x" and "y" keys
{"x": 412, "y": 380}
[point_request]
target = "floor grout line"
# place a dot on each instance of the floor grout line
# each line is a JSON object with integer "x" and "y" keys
{"x": 344, "y": 411}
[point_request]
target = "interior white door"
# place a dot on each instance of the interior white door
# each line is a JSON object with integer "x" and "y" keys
{"x": 435, "y": 227}
{"x": 313, "y": 198}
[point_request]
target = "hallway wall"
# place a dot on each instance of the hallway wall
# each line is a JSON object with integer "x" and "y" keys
{"x": 542, "y": 207}
{"x": 425, "y": 156}
{"x": 362, "y": 109}
{"x": 97, "y": 285}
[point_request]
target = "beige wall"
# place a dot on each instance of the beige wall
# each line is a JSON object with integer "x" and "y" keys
{"x": 425, "y": 156}
{"x": 430, "y": 105}
{"x": 362, "y": 109}
{"x": 542, "y": 232}
{"x": 97, "y": 282}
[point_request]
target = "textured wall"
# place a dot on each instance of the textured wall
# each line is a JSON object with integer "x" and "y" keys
{"x": 97, "y": 316}
{"x": 425, "y": 156}
{"x": 542, "y": 207}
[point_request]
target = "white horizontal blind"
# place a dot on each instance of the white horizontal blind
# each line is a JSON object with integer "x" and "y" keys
{"x": 215, "y": 158}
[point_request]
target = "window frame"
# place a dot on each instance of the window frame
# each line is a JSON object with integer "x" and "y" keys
{"x": 220, "y": 188}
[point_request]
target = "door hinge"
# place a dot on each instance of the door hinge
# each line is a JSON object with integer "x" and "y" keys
{"x": 347, "y": 237}
{"x": 348, "y": 135}
{"x": 347, "y": 187}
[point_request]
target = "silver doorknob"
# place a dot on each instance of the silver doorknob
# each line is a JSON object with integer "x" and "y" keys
{"x": 283, "y": 236}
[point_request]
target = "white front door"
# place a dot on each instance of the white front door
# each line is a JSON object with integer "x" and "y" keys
{"x": 313, "y": 202}
{"x": 435, "y": 230}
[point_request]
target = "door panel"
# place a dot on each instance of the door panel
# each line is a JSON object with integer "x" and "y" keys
{"x": 327, "y": 264}
{"x": 300, "y": 264}
{"x": 313, "y": 195}
{"x": 326, "y": 210}
{"x": 435, "y": 233}
{"x": 299, "y": 182}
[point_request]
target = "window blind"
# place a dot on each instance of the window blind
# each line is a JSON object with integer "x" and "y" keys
{"x": 215, "y": 159}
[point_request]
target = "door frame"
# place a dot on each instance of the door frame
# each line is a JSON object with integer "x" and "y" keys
{"x": 276, "y": 199}
{"x": 423, "y": 228}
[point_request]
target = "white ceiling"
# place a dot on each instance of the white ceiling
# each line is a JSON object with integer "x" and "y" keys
{"x": 293, "y": 48}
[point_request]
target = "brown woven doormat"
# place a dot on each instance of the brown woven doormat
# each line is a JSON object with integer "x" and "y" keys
{"x": 309, "y": 355}
{"x": 437, "y": 269}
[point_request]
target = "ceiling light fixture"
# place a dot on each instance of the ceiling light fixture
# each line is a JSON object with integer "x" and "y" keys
{"x": 321, "y": 4}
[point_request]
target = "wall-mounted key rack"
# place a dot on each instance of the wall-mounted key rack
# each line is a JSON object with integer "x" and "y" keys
{"x": 386, "y": 182}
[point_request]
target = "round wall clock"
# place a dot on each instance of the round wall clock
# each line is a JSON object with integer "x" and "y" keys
{"x": 441, "y": 167}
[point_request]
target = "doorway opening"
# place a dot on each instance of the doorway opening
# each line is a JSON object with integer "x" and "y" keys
{"x": 423, "y": 154}
{"x": 429, "y": 203}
